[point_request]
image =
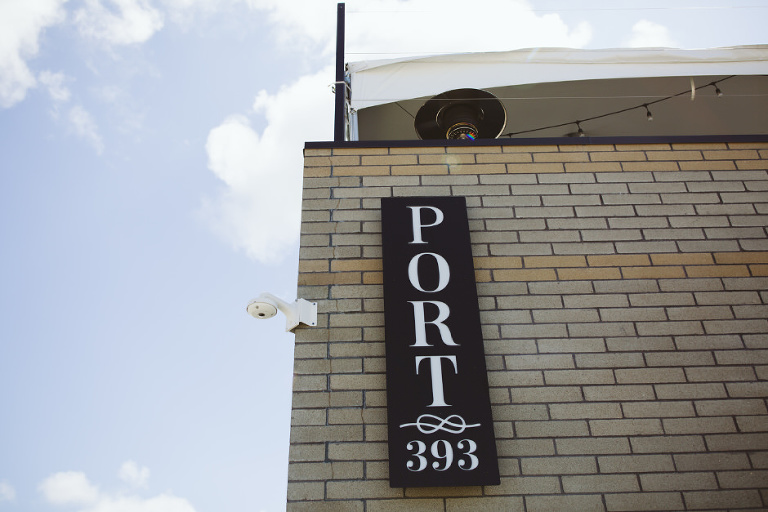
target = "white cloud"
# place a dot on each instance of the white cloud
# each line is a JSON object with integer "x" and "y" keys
{"x": 69, "y": 487}
{"x": 21, "y": 23}
{"x": 7, "y": 492}
{"x": 132, "y": 474}
{"x": 260, "y": 209}
{"x": 85, "y": 127}
{"x": 54, "y": 82}
{"x": 123, "y": 22}
{"x": 649, "y": 34}
{"x": 420, "y": 26}
{"x": 74, "y": 488}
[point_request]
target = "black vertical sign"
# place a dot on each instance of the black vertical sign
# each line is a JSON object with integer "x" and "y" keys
{"x": 439, "y": 412}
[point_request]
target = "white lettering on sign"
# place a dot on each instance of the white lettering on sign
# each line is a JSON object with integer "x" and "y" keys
{"x": 417, "y": 224}
{"x": 436, "y": 369}
{"x": 443, "y": 272}
{"x": 420, "y": 323}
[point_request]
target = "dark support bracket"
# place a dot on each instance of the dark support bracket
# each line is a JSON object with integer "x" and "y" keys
{"x": 340, "y": 86}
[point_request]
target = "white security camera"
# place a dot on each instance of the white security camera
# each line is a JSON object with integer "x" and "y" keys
{"x": 267, "y": 305}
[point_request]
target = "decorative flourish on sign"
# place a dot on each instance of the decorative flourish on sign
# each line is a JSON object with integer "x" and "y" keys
{"x": 453, "y": 424}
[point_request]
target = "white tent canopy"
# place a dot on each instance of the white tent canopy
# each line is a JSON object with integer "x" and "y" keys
{"x": 400, "y": 82}
{"x": 385, "y": 81}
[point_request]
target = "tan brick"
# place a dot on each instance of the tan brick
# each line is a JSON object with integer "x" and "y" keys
{"x": 706, "y": 500}
{"x": 363, "y": 382}
{"x": 670, "y": 328}
{"x": 747, "y": 389}
{"x": 727, "y": 298}
{"x": 325, "y": 471}
{"x": 737, "y": 442}
{"x": 356, "y": 451}
{"x": 573, "y": 503}
{"x": 535, "y": 168}
{"x": 678, "y": 481}
{"x": 558, "y": 465}
{"x": 484, "y": 504}
{"x": 752, "y": 423}
{"x": 356, "y": 264}
{"x": 593, "y": 167}
{"x": 520, "y": 362}
{"x": 717, "y": 374}
{"x": 525, "y": 447}
{"x": 649, "y": 375}
{"x": 759, "y": 459}
{"x": 625, "y": 427}
{"x": 690, "y": 391}
{"x": 525, "y": 485}
{"x": 306, "y": 452}
{"x": 554, "y": 261}
{"x": 329, "y": 278}
{"x": 698, "y": 425}
{"x": 650, "y": 166}
{"x": 325, "y": 506}
{"x": 313, "y": 266}
{"x": 635, "y": 463}
{"x": 306, "y": 491}
{"x": 546, "y": 274}
{"x": 666, "y": 272}
{"x": 585, "y": 410}
{"x": 545, "y": 394}
{"x": 741, "y": 257}
{"x": 475, "y": 169}
{"x": 593, "y": 445}
{"x": 606, "y": 393}
{"x": 682, "y": 259}
{"x": 644, "y": 501}
{"x": 632, "y": 314}
{"x": 711, "y": 461}
{"x": 615, "y": 260}
{"x": 730, "y": 407}
{"x": 589, "y": 274}
{"x": 743, "y": 479}
{"x": 361, "y": 489}
{"x": 731, "y": 155}
{"x": 599, "y": 483}
{"x": 526, "y": 429}
{"x": 561, "y": 157}
{"x": 496, "y": 262}
{"x": 629, "y": 344}
{"x": 735, "y": 326}
{"x": 569, "y": 346}
{"x": 680, "y": 359}
{"x": 313, "y": 434}
{"x": 657, "y": 409}
{"x": 611, "y": 360}
{"x": 718, "y": 271}
{"x": 667, "y": 444}
{"x": 565, "y": 377}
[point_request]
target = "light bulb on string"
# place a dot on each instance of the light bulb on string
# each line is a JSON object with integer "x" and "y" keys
{"x": 648, "y": 114}
{"x": 580, "y": 132}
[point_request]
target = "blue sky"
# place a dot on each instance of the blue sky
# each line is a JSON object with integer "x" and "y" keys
{"x": 150, "y": 163}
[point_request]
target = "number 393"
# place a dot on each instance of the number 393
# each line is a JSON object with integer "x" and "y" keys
{"x": 443, "y": 455}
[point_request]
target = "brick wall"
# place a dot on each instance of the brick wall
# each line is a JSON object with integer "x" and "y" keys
{"x": 623, "y": 295}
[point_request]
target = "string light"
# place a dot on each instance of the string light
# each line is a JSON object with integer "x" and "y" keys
{"x": 648, "y": 114}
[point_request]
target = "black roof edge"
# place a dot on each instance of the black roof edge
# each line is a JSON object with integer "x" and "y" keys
{"x": 539, "y": 141}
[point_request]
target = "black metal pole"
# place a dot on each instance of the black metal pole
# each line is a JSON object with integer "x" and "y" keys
{"x": 338, "y": 127}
